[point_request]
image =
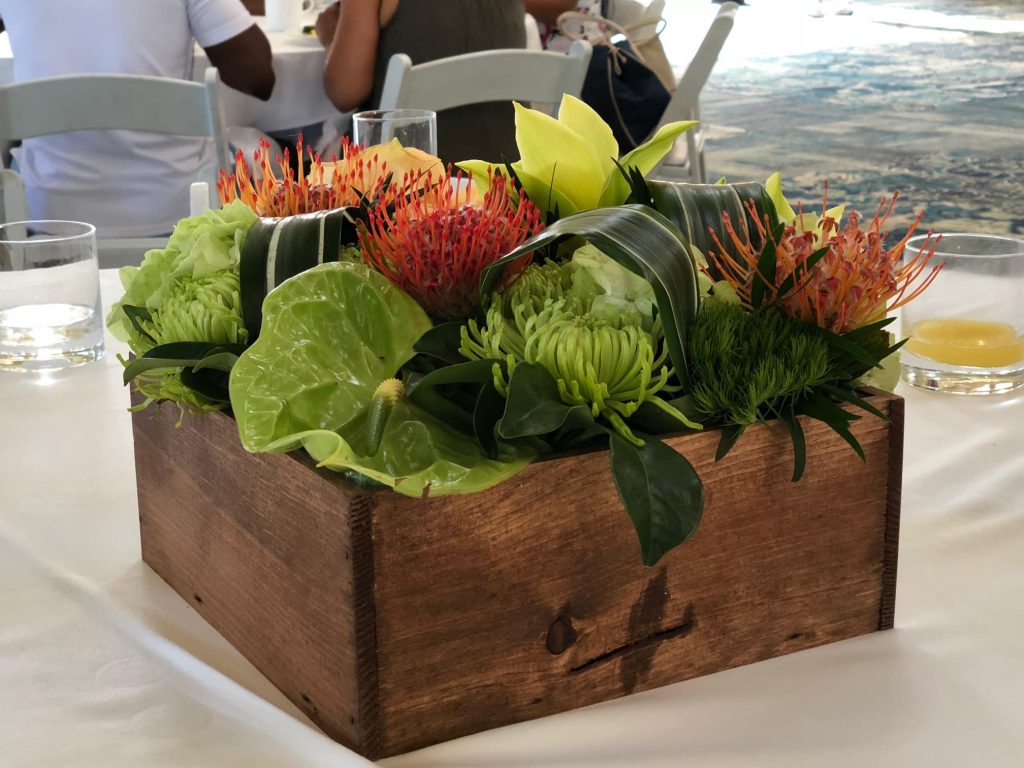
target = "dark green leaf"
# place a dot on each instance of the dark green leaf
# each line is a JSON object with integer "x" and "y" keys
{"x": 644, "y": 242}
{"x": 136, "y": 316}
{"x": 276, "y": 249}
{"x": 850, "y": 348}
{"x": 730, "y": 434}
{"x": 655, "y": 421}
{"x": 442, "y": 343}
{"x": 796, "y": 434}
{"x": 764, "y": 277}
{"x": 789, "y": 284}
{"x": 821, "y": 408}
{"x": 533, "y": 407}
{"x": 220, "y": 361}
{"x": 847, "y": 396}
{"x": 177, "y": 354}
{"x": 466, "y": 372}
{"x": 211, "y": 384}
{"x": 490, "y": 406}
{"x": 661, "y": 492}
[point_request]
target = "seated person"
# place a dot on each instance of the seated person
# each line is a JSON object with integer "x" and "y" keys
{"x": 361, "y": 36}
{"x": 128, "y": 184}
{"x": 547, "y": 12}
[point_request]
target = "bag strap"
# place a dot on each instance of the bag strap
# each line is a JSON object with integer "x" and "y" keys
{"x": 613, "y": 28}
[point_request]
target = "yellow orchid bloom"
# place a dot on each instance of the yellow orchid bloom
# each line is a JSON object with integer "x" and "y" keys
{"x": 568, "y": 163}
{"x": 806, "y": 222}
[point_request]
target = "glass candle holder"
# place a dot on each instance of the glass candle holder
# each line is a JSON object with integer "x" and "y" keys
{"x": 965, "y": 331}
{"x": 49, "y": 296}
{"x": 415, "y": 128}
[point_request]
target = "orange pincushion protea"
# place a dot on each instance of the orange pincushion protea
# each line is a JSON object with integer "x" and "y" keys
{"x": 854, "y": 283}
{"x": 434, "y": 245}
{"x": 360, "y": 174}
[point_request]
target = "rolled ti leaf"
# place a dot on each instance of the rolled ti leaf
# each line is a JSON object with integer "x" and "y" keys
{"x": 276, "y": 249}
{"x": 697, "y": 209}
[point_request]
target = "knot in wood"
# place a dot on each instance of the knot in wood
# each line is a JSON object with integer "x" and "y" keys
{"x": 561, "y": 634}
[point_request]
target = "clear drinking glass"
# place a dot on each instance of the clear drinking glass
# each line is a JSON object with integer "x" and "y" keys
{"x": 412, "y": 127}
{"x": 966, "y": 329}
{"x": 49, "y": 295}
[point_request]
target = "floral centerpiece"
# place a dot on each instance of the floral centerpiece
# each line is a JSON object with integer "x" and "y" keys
{"x": 434, "y": 331}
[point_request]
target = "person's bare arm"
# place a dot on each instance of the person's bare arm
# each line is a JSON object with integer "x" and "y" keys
{"x": 547, "y": 11}
{"x": 352, "y": 54}
{"x": 245, "y": 63}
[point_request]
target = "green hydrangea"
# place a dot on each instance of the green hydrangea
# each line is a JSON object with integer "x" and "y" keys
{"x": 187, "y": 291}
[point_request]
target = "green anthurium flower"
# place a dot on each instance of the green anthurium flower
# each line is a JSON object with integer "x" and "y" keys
{"x": 568, "y": 164}
{"x": 321, "y": 376}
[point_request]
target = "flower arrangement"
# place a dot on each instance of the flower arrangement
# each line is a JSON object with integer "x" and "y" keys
{"x": 434, "y": 334}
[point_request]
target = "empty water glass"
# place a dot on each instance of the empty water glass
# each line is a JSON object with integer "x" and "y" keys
{"x": 415, "y": 128}
{"x": 50, "y": 313}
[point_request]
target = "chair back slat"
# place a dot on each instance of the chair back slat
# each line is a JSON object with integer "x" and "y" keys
{"x": 101, "y": 102}
{"x": 473, "y": 78}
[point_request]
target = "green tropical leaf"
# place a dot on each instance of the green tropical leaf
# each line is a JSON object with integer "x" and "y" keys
{"x": 276, "y": 249}
{"x": 442, "y": 343}
{"x": 796, "y": 434}
{"x": 699, "y": 209}
{"x": 179, "y": 354}
{"x": 644, "y": 242}
{"x": 487, "y": 412}
{"x": 661, "y": 492}
{"x": 730, "y": 434}
{"x": 533, "y": 407}
{"x": 820, "y": 407}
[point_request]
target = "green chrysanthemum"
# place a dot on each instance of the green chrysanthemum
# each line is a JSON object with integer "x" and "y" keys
{"x": 591, "y": 326}
{"x": 204, "y": 309}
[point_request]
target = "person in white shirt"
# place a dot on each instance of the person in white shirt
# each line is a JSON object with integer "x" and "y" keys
{"x": 127, "y": 184}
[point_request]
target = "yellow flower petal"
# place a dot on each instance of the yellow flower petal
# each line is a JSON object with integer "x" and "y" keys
{"x": 645, "y": 157}
{"x": 480, "y": 171}
{"x": 580, "y": 118}
{"x": 543, "y": 195}
{"x": 782, "y": 207}
{"x": 552, "y": 151}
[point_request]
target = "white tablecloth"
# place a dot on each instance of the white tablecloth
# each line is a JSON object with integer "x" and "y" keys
{"x": 298, "y": 99}
{"x": 102, "y": 664}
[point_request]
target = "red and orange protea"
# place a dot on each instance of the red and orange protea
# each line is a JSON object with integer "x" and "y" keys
{"x": 435, "y": 244}
{"x": 360, "y": 175}
{"x": 856, "y": 281}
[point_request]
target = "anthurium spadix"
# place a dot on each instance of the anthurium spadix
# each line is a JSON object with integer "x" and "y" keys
{"x": 808, "y": 222}
{"x": 568, "y": 163}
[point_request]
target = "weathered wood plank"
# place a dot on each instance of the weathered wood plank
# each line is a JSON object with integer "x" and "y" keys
{"x": 261, "y": 547}
{"x": 531, "y": 599}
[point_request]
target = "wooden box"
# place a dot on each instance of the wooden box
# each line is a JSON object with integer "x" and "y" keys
{"x": 396, "y": 623}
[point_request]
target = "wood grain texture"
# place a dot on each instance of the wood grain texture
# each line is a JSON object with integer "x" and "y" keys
{"x": 407, "y": 621}
{"x": 262, "y": 547}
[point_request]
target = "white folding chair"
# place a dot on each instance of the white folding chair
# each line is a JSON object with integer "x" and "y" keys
{"x": 687, "y": 156}
{"x": 472, "y": 78}
{"x": 107, "y": 102}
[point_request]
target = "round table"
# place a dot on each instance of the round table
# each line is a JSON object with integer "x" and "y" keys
{"x": 102, "y": 664}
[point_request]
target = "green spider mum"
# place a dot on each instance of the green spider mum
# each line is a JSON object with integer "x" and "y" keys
{"x": 601, "y": 350}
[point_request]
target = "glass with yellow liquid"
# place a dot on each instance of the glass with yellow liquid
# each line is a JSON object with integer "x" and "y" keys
{"x": 966, "y": 332}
